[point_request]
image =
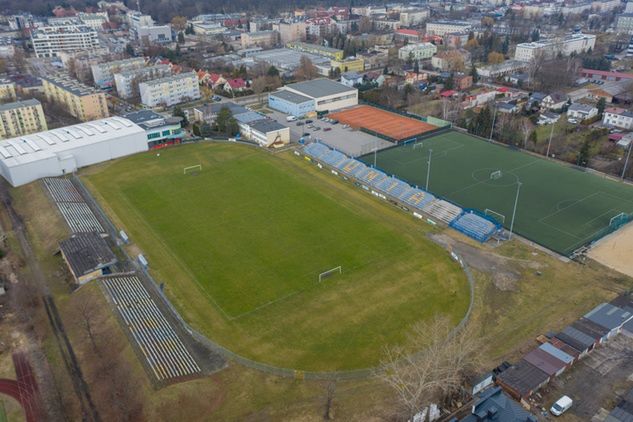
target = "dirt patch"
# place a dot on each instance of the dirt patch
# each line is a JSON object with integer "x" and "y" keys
{"x": 615, "y": 250}
{"x": 503, "y": 271}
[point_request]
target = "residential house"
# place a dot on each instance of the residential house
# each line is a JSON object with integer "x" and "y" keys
{"x": 554, "y": 101}
{"x": 507, "y": 107}
{"x": 351, "y": 78}
{"x": 581, "y": 112}
{"x": 233, "y": 86}
{"x": 618, "y": 117}
{"x": 547, "y": 118}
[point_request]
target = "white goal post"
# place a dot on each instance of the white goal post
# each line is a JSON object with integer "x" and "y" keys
{"x": 330, "y": 272}
{"x": 497, "y": 216}
{"x": 192, "y": 169}
{"x": 496, "y": 175}
{"x": 418, "y": 145}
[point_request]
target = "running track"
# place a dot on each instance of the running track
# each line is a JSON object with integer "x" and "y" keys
{"x": 24, "y": 390}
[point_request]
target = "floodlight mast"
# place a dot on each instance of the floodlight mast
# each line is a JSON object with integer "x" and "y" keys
{"x": 516, "y": 201}
{"x": 428, "y": 170}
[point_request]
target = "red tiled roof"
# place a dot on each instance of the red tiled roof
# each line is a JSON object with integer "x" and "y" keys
{"x": 408, "y": 32}
{"x": 607, "y": 73}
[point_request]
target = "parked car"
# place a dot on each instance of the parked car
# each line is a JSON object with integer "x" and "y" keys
{"x": 561, "y": 406}
{"x": 327, "y": 129}
{"x": 334, "y": 121}
{"x": 315, "y": 128}
{"x": 309, "y": 121}
{"x": 300, "y": 123}
{"x": 305, "y": 135}
{"x": 291, "y": 118}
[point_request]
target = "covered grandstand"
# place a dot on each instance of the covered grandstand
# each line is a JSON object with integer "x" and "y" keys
{"x": 468, "y": 222}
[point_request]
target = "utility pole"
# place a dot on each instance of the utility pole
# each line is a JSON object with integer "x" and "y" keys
{"x": 375, "y": 149}
{"x": 514, "y": 211}
{"x": 492, "y": 128}
{"x": 626, "y": 162}
{"x": 549, "y": 144}
{"x": 428, "y": 170}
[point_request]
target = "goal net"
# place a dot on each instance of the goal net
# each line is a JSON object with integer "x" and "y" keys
{"x": 496, "y": 175}
{"x": 495, "y": 215}
{"x": 619, "y": 220}
{"x": 418, "y": 145}
{"x": 192, "y": 169}
{"x": 330, "y": 273}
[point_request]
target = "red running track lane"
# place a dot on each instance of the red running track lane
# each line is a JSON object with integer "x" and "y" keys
{"x": 24, "y": 390}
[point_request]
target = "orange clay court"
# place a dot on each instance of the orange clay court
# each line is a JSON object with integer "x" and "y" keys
{"x": 384, "y": 122}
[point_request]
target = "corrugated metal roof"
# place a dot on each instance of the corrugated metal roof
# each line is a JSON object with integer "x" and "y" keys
{"x": 584, "y": 339}
{"x": 523, "y": 378}
{"x": 560, "y": 344}
{"x": 590, "y": 328}
{"x": 557, "y": 353}
{"x": 544, "y": 361}
{"x": 609, "y": 316}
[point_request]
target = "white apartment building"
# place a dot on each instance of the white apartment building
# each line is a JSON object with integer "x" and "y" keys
{"x": 410, "y": 17}
{"x": 574, "y": 43}
{"x": 49, "y": 41}
{"x": 624, "y": 23}
{"x": 442, "y": 28}
{"x": 170, "y": 90}
{"x": 94, "y": 20}
{"x": 103, "y": 73}
{"x": 127, "y": 82}
{"x": 419, "y": 51}
{"x": 144, "y": 29}
{"x": 618, "y": 117}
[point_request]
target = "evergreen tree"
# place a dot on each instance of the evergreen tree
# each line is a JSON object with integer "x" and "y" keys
{"x": 474, "y": 74}
{"x": 602, "y": 103}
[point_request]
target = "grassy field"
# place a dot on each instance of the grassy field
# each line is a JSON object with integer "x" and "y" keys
{"x": 559, "y": 207}
{"x": 240, "y": 247}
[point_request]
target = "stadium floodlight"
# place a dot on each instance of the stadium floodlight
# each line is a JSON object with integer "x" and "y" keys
{"x": 497, "y": 174}
{"x": 549, "y": 144}
{"x": 330, "y": 272}
{"x": 428, "y": 170}
{"x": 492, "y": 128}
{"x": 514, "y": 211}
{"x": 192, "y": 169}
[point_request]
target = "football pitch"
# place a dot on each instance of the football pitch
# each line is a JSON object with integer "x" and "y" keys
{"x": 241, "y": 243}
{"x": 559, "y": 207}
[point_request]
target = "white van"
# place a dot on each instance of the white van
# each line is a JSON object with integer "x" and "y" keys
{"x": 291, "y": 118}
{"x": 561, "y": 406}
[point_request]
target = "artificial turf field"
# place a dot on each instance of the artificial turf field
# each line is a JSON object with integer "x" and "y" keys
{"x": 240, "y": 246}
{"x": 559, "y": 207}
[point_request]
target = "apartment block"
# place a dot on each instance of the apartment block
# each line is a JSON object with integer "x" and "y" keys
{"x": 127, "y": 82}
{"x": 79, "y": 100}
{"x": 49, "y": 41}
{"x": 264, "y": 39}
{"x": 291, "y": 31}
{"x": 442, "y": 28}
{"x": 21, "y": 118}
{"x": 410, "y": 17}
{"x": 170, "y": 90}
{"x": 419, "y": 51}
{"x": 103, "y": 73}
{"x": 574, "y": 43}
{"x": 7, "y": 90}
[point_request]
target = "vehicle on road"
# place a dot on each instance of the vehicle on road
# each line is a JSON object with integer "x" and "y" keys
{"x": 309, "y": 121}
{"x": 300, "y": 123}
{"x": 315, "y": 128}
{"x": 561, "y": 406}
{"x": 305, "y": 135}
{"x": 327, "y": 129}
{"x": 291, "y": 118}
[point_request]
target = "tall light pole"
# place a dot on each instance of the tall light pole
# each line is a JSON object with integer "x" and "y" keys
{"x": 626, "y": 162}
{"x": 514, "y": 211}
{"x": 549, "y": 144}
{"x": 428, "y": 170}
{"x": 375, "y": 149}
{"x": 492, "y": 128}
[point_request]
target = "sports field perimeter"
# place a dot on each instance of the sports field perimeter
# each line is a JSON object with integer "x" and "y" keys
{"x": 240, "y": 246}
{"x": 559, "y": 207}
{"x": 384, "y": 122}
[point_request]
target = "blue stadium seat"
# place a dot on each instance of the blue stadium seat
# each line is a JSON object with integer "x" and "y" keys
{"x": 475, "y": 226}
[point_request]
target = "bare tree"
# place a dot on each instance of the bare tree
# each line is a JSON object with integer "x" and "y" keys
{"x": 86, "y": 317}
{"x": 259, "y": 86}
{"x": 330, "y": 390}
{"x": 526, "y": 127}
{"x": 434, "y": 373}
{"x": 306, "y": 69}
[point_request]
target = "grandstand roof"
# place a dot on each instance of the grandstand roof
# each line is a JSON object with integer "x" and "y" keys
{"x": 86, "y": 253}
{"x": 42, "y": 145}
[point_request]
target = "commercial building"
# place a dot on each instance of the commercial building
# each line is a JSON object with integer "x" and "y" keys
{"x": 290, "y": 31}
{"x": 144, "y": 29}
{"x": 442, "y": 28}
{"x": 79, "y": 100}
{"x": 570, "y": 44}
{"x": 413, "y": 16}
{"x": 7, "y": 90}
{"x": 325, "y": 94}
{"x": 161, "y": 131}
{"x": 94, "y": 20}
{"x": 63, "y": 151}
{"x": 419, "y": 51}
{"x": 499, "y": 70}
{"x": 350, "y": 64}
{"x": 49, "y": 41}
{"x": 21, "y": 118}
{"x": 7, "y": 47}
{"x": 127, "y": 82}
{"x": 287, "y": 60}
{"x": 170, "y": 90}
{"x": 87, "y": 256}
{"x": 407, "y": 35}
{"x": 103, "y": 73}
{"x": 264, "y": 39}
{"x": 319, "y": 50}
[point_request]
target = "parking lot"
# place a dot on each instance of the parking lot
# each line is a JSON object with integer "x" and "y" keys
{"x": 595, "y": 384}
{"x": 347, "y": 140}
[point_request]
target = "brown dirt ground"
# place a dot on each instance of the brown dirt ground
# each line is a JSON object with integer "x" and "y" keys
{"x": 615, "y": 251}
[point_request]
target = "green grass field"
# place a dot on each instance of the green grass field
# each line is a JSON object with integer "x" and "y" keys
{"x": 240, "y": 247}
{"x": 559, "y": 207}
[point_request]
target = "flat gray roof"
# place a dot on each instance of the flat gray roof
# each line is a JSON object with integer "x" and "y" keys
{"x": 266, "y": 126}
{"x": 19, "y": 104}
{"x": 290, "y": 96}
{"x": 320, "y": 88}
